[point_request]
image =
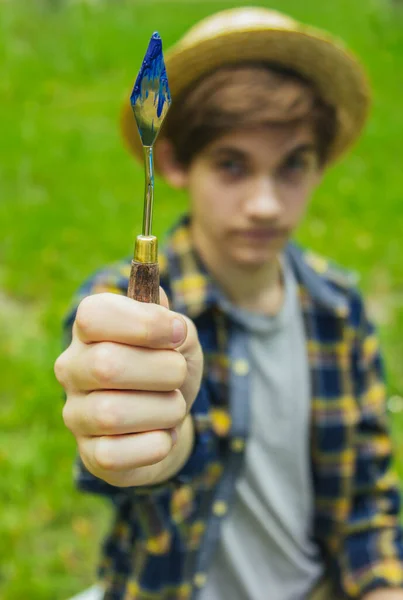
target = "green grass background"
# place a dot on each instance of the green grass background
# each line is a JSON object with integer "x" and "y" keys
{"x": 70, "y": 201}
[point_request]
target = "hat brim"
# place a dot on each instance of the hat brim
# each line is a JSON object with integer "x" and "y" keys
{"x": 337, "y": 75}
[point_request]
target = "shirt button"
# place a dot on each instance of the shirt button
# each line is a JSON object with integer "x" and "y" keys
{"x": 240, "y": 367}
{"x": 237, "y": 444}
{"x": 220, "y": 508}
{"x": 199, "y": 579}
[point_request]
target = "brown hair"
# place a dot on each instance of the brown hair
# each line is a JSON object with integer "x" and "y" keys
{"x": 248, "y": 95}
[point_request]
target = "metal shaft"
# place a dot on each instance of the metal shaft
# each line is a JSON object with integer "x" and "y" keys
{"x": 149, "y": 190}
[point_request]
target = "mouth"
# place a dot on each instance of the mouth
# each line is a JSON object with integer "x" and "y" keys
{"x": 262, "y": 234}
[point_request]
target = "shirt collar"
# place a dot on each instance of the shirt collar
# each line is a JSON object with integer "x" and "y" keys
{"x": 194, "y": 291}
{"x": 311, "y": 275}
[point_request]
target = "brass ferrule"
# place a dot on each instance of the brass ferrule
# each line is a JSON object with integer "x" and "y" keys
{"x": 146, "y": 249}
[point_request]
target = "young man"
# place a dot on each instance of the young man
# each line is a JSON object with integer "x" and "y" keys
{"x": 267, "y": 473}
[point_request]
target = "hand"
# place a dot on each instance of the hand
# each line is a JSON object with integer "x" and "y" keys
{"x": 131, "y": 374}
{"x": 385, "y": 594}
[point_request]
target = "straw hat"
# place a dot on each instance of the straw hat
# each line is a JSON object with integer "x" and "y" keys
{"x": 260, "y": 35}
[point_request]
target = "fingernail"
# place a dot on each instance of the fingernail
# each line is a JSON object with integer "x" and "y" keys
{"x": 174, "y": 435}
{"x": 178, "y": 331}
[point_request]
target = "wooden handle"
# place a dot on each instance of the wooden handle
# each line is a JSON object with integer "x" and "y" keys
{"x": 144, "y": 282}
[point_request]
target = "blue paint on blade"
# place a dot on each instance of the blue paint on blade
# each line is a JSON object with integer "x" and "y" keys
{"x": 152, "y": 72}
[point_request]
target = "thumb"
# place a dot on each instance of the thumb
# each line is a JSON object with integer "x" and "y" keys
{"x": 192, "y": 352}
{"x": 163, "y": 299}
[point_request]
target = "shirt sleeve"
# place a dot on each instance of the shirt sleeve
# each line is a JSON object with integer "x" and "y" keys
{"x": 204, "y": 452}
{"x": 372, "y": 553}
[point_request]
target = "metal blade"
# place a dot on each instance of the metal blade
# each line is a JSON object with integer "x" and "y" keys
{"x": 151, "y": 98}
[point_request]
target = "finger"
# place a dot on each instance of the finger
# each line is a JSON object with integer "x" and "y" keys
{"x": 115, "y": 454}
{"x": 111, "y": 366}
{"x": 116, "y": 413}
{"x": 163, "y": 298}
{"x": 192, "y": 352}
{"x": 111, "y": 317}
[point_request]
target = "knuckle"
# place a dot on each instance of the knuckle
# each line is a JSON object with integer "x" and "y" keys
{"x": 86, "y": 456}
{"x": 105, "y": 368}
{"x": 68, "y": 415}
{"x": 177, "y": 370}
{"x": 61, "y": 368}
{"x": 161, "y": 447}
{"x": 103, "y": 457}
{"x": 179, "y": 409}
{"x": 147, "y": 333}
{"x": 192, "y": 331}
{"x": 116, "y": 479}
{"x": 85, "y": 314}
{"x": 105, "y": 415}
{"x": 192, "y": 336}
{"x": 154, "y": 323}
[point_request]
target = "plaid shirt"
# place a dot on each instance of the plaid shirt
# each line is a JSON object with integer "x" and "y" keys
{"x": 164, "y": 537}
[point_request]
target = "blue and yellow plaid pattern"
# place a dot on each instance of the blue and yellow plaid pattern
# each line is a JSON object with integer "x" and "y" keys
{"x": 154, "y": 548}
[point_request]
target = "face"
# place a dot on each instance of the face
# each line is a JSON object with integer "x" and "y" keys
{"x": 248, "y": 192}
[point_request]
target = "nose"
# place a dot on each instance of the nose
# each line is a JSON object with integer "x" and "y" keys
{"x": 263, "y": 201}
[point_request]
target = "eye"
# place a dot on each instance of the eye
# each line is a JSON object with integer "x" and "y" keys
{"x": 234, "y": 168}
{"x": 298, "y": 165}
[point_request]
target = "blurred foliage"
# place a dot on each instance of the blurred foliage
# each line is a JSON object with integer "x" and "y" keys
{"x": 71, "y": 199}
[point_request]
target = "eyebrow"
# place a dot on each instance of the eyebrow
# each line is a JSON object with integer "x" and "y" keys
{"x": 229, "y": 151}
{"x": 302, "y": 148}
{"x": 241, "y": 154}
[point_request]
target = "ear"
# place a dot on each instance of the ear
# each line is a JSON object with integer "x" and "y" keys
{"x": 171, "y": 170}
